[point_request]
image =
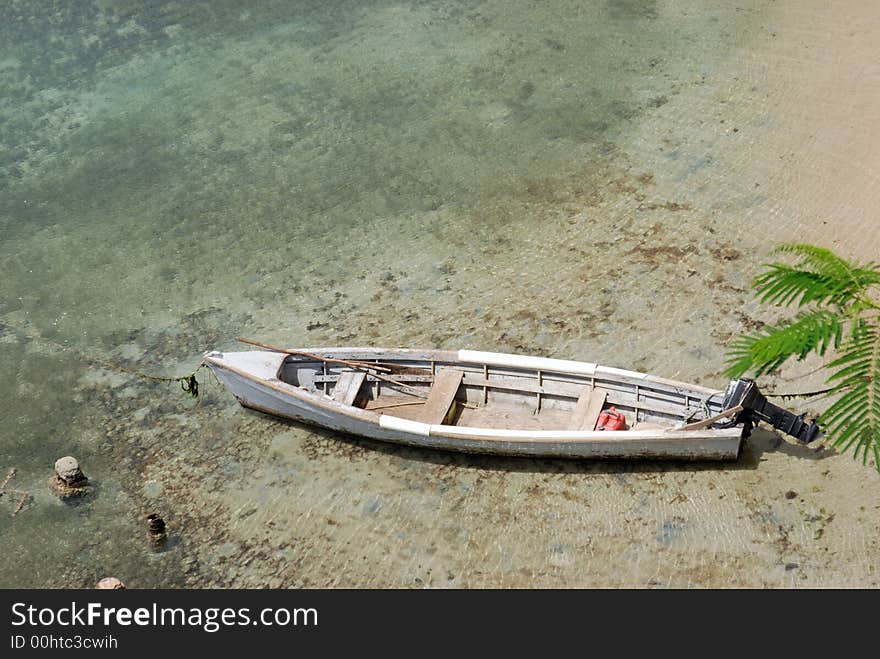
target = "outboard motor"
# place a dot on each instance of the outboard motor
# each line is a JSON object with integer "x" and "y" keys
{"x": 756, "y": 408}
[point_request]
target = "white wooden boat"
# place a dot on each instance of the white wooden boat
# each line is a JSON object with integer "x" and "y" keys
{"x": 486, "y": 402}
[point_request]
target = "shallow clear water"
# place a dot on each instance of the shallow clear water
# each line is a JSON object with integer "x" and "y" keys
{"x": 549, "y": 178}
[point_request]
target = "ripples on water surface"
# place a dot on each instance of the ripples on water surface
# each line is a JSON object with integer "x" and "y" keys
{"x": 546, "y": 178}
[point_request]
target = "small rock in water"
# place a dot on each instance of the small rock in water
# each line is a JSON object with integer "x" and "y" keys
{"x": 68, "y": 469}
{"x": 156, "y": 530}
{"x": 68, "y": 481}
{"x": 110, "y": 583}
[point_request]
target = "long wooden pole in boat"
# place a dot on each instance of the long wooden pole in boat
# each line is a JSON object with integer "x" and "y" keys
{"x": 300, "y": 353}
{"x": 361, "y": 366}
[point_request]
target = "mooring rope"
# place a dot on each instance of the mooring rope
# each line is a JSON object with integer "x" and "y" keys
{"x": 803, "y": 394}
{"x": 188, "y": 383}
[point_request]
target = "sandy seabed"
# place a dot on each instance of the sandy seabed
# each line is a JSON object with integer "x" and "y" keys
{"x": 594, "y": 181}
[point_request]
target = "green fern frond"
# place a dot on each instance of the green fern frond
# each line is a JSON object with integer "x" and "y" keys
{"x": 825, "y": 262}
{"x": 784, "y": 285}
{"x": 860, "y": 358}
{"x": 820, "y": 277}
{"x": 853, "y": 421}
{"x": 767, "y": 351}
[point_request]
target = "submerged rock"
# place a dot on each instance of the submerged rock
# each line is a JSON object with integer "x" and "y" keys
{"x": 69, "y": 480}
{"x": 156, "y": 532}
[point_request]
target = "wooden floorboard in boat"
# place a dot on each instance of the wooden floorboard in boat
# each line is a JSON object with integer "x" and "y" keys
{"x": 589, "y": 407}
{"x": 347, "y": 387}
{"x": 441, "y": 397}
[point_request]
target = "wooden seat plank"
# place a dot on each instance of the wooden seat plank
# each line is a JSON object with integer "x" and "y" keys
{"x": 588, "y": 408}
{"x": 347, "y": 386}
{"x": 440, "y": 403}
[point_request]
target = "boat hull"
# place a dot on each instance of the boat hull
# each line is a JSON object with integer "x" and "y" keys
{"x": 267, "y": 394}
